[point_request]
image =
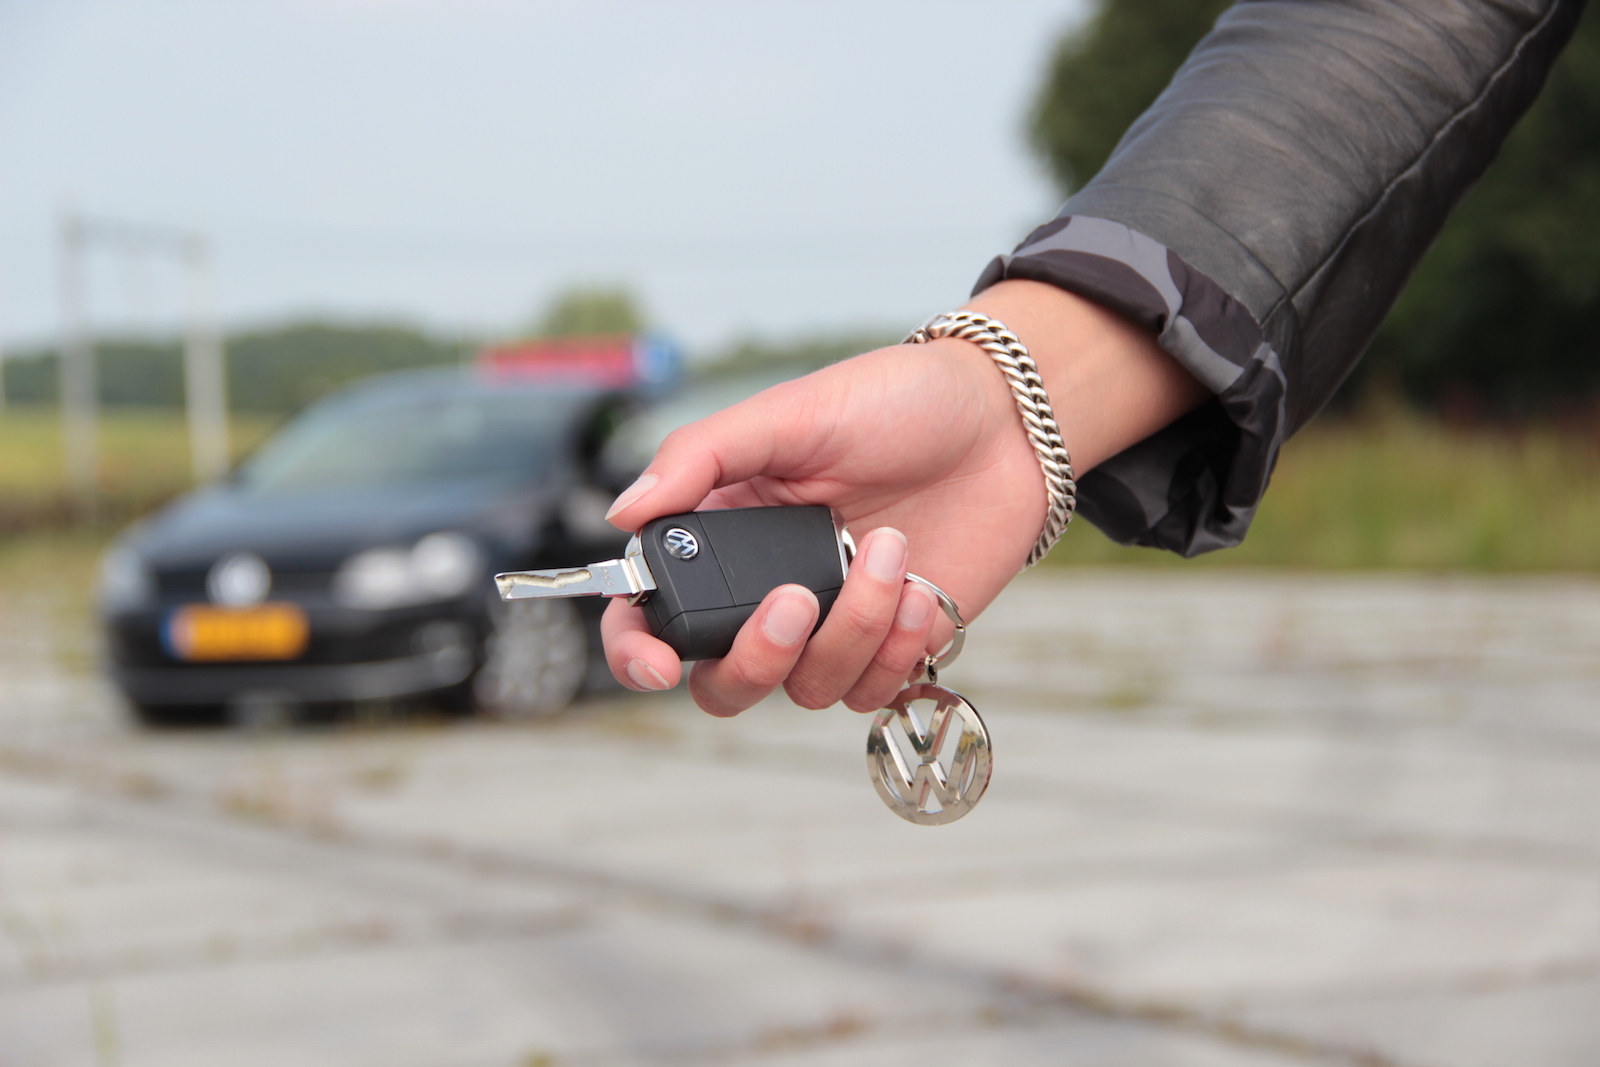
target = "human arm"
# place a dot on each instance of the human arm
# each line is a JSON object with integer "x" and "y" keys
{"x": 1257, "y": 223}
{"x": 923, "y": 439}
{"x": 1265, "y": 213}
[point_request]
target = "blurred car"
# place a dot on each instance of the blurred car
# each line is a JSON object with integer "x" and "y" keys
{"x": 349, "y": 558}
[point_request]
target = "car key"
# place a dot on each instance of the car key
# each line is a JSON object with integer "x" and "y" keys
{"x": 699, "y": 576}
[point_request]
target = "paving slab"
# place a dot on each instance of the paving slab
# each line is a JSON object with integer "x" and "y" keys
{"x": 1532, "y": 1016}
{"x": 1237, "y": 819}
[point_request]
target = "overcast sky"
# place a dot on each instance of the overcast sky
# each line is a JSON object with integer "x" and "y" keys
{"x": 746, "y": 168}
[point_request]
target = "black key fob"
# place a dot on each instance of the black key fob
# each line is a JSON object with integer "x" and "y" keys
{"x": 712, "y": 569}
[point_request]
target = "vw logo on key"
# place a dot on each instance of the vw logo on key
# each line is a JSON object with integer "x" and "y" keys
{"x": 680, "y": 543}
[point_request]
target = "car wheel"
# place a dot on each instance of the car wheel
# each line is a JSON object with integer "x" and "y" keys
{"x": 535, "y": 661}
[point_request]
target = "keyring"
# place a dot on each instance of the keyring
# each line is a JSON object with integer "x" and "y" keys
{"x": 934, "y": 662}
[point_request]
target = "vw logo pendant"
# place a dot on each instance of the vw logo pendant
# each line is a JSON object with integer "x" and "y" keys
{"x": 907, "y": 750}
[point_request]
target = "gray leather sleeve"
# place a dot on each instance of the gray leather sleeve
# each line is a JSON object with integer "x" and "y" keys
{"x": 1266, "y": 211}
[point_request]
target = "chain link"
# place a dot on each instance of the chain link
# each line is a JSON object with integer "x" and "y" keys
{"x": 1033, "y": 403}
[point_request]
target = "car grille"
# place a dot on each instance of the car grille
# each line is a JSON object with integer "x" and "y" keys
{"x": 304, "y": 586}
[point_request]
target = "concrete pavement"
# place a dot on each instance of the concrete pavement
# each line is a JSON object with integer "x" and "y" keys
{"x": 1235, "y": 820}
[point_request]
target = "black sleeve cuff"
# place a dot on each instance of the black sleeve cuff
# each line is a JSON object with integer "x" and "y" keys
{"x": 1194, "y": 486}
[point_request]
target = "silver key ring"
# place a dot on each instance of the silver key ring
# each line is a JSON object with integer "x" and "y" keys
{"x": 938, "y": 661}
{"x": 935, "y": 662}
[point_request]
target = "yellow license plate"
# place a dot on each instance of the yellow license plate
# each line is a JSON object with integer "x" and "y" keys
{"x": 201, "y": 632}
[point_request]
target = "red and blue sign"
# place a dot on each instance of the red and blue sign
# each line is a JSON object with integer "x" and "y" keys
{"x": 623, "y": 361}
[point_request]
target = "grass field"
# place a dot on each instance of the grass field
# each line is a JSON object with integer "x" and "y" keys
{"x": 1390, "y": 490}
{"x": 1396, "y": 491}
{"x": 144, "y": 460}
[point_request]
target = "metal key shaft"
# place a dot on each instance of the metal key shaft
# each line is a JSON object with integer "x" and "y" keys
{"x": 629, "y": 576}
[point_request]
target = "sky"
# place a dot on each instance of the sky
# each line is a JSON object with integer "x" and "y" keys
{"x": 746, "y": 169}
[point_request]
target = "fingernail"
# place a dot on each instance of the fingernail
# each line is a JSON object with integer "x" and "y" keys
{"x": 645, "y": 676}
{"x": 639, "y": 488}
{"x": 915, "y": 607}
{"x": 790, "y": 618}
{"x": 885, "y": 559}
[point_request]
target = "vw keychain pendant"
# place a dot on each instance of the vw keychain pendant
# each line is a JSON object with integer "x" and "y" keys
{"x": 911, "y": 775}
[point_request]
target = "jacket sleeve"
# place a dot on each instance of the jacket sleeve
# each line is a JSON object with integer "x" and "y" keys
{"x": 1264, "y": 214}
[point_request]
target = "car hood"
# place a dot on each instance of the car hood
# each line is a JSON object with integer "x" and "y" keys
{"x": 317, "y": 530}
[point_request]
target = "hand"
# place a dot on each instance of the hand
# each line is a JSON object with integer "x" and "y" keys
{"x": 920, "y": 448}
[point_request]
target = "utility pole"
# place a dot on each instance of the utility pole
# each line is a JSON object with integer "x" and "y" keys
{"x": 204, "y": 379}
{"x": 76, "y": 370}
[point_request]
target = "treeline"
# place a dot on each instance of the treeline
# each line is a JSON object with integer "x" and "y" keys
{"x": 277, "y": 371}
{"x": 280, "y": 370}
{"x": 804, "y": 354}
{"x": 269, "y": 371}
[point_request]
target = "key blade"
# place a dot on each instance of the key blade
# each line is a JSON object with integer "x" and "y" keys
{"x": 520, "y": 585}
{"x": 614, "y": 577}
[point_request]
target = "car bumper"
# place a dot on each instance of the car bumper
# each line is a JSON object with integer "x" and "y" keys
{"x": 308, "y": 683}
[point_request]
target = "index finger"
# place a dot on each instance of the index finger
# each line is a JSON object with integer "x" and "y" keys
{"x": 733, "y": 445}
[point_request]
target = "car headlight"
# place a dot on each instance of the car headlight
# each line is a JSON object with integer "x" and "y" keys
{"x": 126, "y": 582}
{"x": 438, "y": 567}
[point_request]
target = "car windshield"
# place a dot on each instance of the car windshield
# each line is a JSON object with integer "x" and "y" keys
{"x": 413, "y": 438}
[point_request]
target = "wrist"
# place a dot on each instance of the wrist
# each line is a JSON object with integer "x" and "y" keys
{"x": 1021, "y": 373}
{"x": 1110, "y": 383}
{"x": 997, "y": 438}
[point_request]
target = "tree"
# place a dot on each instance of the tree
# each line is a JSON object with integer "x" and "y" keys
{"x": 1504, "y": 311}
{"x": 588, "y": 311}
{"x": 1103, "y": 76}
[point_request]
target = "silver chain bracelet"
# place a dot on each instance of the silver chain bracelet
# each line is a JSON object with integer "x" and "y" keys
{"x": 1027, "y": 388}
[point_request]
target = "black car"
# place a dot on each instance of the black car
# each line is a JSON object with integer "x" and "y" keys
{"x": 349, "y": 559}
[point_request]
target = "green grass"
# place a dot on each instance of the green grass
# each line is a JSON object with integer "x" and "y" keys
{"x": 1394, "y": 490}
{"x": 47, "y": 585}
{"x": 1390, "y": 490}
{"x": 144, "y": 460}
